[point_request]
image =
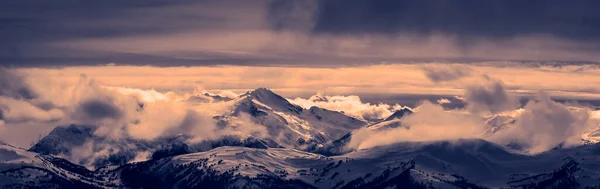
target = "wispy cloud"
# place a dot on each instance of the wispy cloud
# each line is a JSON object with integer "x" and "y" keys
{"x": 440, "y": 73}
{"x": 350, "y": 105}
{"x": 541, "y": 125}
{"x": 420, "y": 126}
{"x": 544, "y": 124}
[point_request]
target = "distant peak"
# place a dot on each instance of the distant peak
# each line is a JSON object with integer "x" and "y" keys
{"x": 262, "y": 90}
{"x": 319, "y": 97}
{"x": 264, "y": 94}
{"x": 273, "y": 100}
{"x": 399, "y": 114}
{"x": 216, "y": 97}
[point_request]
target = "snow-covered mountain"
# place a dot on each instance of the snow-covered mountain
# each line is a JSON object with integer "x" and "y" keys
{"x": 391, "y": 121}
{"x": 24, "y": 169}
{"x": 287, "y": 125}
{"x": 339, "y": 146}
{"x": 300, "y": 148}
{"x": 497, "y": 123}
{"x": 290, "y": 125}
{"x": 442, "y": 164}
{"x": 206, "y": 97}
{"x": 398, "y": 114}
{"x": 79, "y": 144}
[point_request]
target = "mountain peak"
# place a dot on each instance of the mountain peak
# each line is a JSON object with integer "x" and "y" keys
{"x": 273, "y": 100}
{"x": 62, "y": 138}
{"x": 217, "y": 98}
{"x": 399, "y": 114}
{"x": 319, "y": 97}
{"x": 262, "y": 91}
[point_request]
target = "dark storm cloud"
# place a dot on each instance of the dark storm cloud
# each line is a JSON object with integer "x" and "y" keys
{"x": 12, "y": 85}
{"x": 491, "y": 97}
{"x": 98, "y": 109}
{"x": 577, "y": 20}
{"x": 36, "y": 20}
{"x": 34, "y": 33}
{"x": 449, "y": 73}
{"x": 29, "y": 28}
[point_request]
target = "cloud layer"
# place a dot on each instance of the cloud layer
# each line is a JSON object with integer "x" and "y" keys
{"x": 134, "y": 110}
{"x": 489, "y": 98}
{"x": 430, "y": 122}
{"x": 350, "y": 105}
{"x": 306, "y": 33}
{"x": 541, "y": 125}
{"x": 446, "y": 73}
{"x": 574, "y": 81}
{"x": 544, "y": 124}
{"x": 117, "y": 113}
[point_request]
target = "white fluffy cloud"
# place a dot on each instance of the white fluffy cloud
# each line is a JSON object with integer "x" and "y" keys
{"x": 429, "y": 122}
{"x": 149, "y": 114}
{"x": 2, "y": 129}
{"x": 15, "y": 111}
{"x": 443, "y": 101}
{"x": 491, "y": 97}
{"x": 350, "y": 105}
{"x": 544, "y": 124}
{"x": 541, "y": 125}
{"x": 117, "y": 112}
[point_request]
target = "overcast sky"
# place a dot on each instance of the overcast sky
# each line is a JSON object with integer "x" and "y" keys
{"x": 305, "y": 33}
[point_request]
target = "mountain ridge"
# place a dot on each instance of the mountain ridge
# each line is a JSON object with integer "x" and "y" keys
{"x": 287, "y": 125}
{"x": 472, "y": 163}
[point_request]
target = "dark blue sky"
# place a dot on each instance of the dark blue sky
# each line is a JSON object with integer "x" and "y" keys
{"x": 30, "y": 30}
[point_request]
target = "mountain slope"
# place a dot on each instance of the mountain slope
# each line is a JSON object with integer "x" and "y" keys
{"x": 206, "y": 97}
{"x": 442, "y": 164}
{"x": 445, "y": 164}
{"x": 290, "y": 125}
{"x": 339, "y": 146}
{"x": 498, "y": 123}
{"x": 398, "y": 114}
{"x": 286, "y": 125}
{"x": 23, "y": 169}
{"x": 79, "y": 144}
{"x": 61, "y": 140}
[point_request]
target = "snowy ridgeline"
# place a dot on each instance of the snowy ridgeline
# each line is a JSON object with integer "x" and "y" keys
{"x": 294, "y": 147}
{"x": 257, "y": 119}
{"x": 456, "y": 164}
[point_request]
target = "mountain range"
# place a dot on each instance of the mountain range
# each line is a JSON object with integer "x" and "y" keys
{"x": 302, "y": 148}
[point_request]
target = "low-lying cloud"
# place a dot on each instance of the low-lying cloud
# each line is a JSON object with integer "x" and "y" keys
{"x": 18, "y": 104}
{"x": 117, "y": 113}
{"x": 17, "y": 111}
{"x": 97, "y": 109}
{"x": 429, "y": 122}
{"x": 12, "y": 85}
{"x": 545, "y": 124}
{"x": 491, "y": 97}
{"x": 123, "y": 119}
{"x": 129, "y": 113}
{"x": 350, "y": 105}
{"x": 541, "y": 125}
